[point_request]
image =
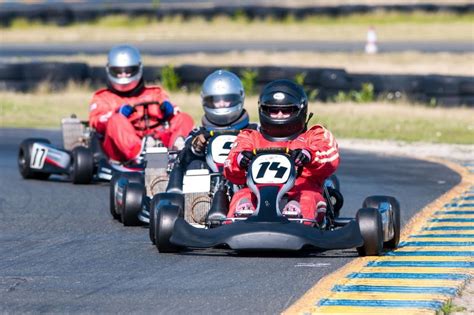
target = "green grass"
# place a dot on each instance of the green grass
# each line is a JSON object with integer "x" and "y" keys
{"x": 449, "y": 308}
{"x": 373, "y": 18}
{"x": 404, "y": 122}
{"x": 397, "y": 122}
{"x": 381, "y": 18}
{"x": 121, "y": 21}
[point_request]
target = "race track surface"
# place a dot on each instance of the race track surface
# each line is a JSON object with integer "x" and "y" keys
{"x": 61, "y": 252}
{"x": 173, "y": 48}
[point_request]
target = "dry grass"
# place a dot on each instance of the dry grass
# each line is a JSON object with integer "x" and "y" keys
{"x": 395, "y": 63}
{"x": 370, "y": 121}
{"x": 390, "y": 27}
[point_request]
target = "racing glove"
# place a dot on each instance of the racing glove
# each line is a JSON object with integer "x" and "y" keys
{"x": 167, "y": 109}
{"x": 126, "y": 110}
{"x": 198, "y": 144}
{"x": 244, "y": 158}
{"x": 301, "y": 157}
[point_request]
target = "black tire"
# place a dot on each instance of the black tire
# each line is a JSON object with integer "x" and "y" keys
{"x": 24, "y": 159}
{"x": 337, "y": 200}
{"x": 82, "y": 170}
{"x": 173, "y": 199}
{"x": 373, "y": 202}
{"x": 166, "y": 215}
{"x": 335, "y": 181}
{"x": 133, "y": 196}
{"x": 370, "y": 225}
{"x": 112, "y": 192}
{"x": 134, "y": 177}
{"x": 151, "y": 226}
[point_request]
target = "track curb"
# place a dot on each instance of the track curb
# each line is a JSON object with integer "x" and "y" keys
{"x": 324, "y": 296}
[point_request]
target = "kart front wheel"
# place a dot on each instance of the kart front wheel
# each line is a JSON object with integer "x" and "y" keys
{"x": 370, "y": 225}
{"x": 151, "y": 226}
{"x": 133, "y": 196}
{"x": 374, "y": 202}
{"x": 82, "y": 165}
{"x": 25, "y": 156}
{"x": 112, "y": 192}
{"x": 165, "y": 217}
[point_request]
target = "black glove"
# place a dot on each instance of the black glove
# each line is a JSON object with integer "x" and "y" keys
{"x": 244, "y": 158}
{"x": 301, "y": 157}
{"x": 199, "y": 144}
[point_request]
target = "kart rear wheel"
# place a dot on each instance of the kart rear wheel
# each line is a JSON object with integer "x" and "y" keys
{"x": 336, "y": 199}
{"x": 373, "y": 202}
{"x": 370, "y": 225}
{"x": 82, "y": 170}
{"x": 133, "y": 196}
{"x": 151, "y": 227}
{"x": 112, "y": 192}
{"x": 333, "y": 181}
{"x": 134, "y": 177}
{"x": 24, "y": 159}
{"x": 165, "y": 217}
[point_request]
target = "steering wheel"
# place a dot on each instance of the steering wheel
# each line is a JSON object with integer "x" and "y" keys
{"x": 146, "y": 117}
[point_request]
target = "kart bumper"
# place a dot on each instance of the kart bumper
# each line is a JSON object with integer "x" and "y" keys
{"x": 266, "y": 236}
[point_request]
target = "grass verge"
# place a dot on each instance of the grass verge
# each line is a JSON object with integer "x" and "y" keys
{"x": 404, "y": 122}
{"x": 391, "y": 26}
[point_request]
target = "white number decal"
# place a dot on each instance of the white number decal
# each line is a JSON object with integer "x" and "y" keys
{"x": 38, "y": 156}
{"x": 221, "y": 146}
{"x": 271, "y": 169}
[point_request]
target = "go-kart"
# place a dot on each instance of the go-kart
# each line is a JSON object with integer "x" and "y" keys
{"x": 270, "y": 175}
{"x": 81, "y": 158}
{"x": 130, "y": 192}
{"x": 197, "y": 183}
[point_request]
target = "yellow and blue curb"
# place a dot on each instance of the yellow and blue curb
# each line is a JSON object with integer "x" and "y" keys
{"x": 434, "y": 261}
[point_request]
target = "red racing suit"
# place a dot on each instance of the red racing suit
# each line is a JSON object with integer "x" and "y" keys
{"x": 122, "y": 135}
{"x": 308, "y": 186}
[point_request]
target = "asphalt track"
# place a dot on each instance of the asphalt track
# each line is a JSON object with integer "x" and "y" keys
{"x": 8, "y": 50}
{"x": 60, "y": 252}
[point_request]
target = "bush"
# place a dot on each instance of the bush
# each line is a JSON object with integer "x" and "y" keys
{"x": 365, "y": 95}
{"x": 169, "y": 78}
{"x": 300, "y": 77}
{"x": 248, "y": 78}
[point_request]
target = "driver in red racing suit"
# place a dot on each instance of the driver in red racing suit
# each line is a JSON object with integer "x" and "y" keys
{"x": 282, "y": 112}
{"x": 123, "y": 126}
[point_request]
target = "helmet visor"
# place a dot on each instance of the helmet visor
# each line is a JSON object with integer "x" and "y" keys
{"x": 281, "y": 111}
{"x": 124, "y": 72}
{"x": 221, "y": 101}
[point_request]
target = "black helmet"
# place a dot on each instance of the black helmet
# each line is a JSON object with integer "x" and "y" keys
{"x": 282, "y": 109}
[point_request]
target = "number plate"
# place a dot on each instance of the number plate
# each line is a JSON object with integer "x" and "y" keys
{"x": 38, "y": 156}
{"x": 271, "y": 169}
{"x": 221, "y": 146}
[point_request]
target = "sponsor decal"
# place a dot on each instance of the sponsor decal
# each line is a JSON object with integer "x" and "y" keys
{"x": 279, "y": 96}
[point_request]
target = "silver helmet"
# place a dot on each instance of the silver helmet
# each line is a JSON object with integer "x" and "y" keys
{"x": 222, "y": 97}
{"x": 124, "y": 67}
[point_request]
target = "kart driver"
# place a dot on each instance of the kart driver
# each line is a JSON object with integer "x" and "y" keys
{"x": 282, "y": 110}
{"x": 123, "y": 126}
{"x": 222, "y": 96}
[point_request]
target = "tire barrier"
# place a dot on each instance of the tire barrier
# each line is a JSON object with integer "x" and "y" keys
{"x": 66, "y": 14}
{"x": 433, "y": 89}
